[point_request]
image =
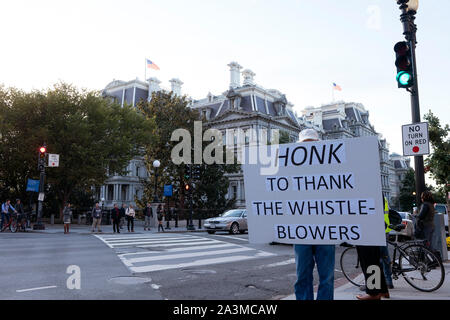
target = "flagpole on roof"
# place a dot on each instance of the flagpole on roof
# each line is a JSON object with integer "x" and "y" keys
{"x": 145, "y": 68}
{"x": 332, "y": 93}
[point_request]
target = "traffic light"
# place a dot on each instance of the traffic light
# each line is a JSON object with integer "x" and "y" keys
{"x": 196, "y": 172}
{"x": 41, "y": 160}
{"x": 404, "y": 64}
{"x": 187, "y": 172}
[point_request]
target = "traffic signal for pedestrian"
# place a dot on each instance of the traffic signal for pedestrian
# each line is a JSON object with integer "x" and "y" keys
{"x": 404, "y": 64}
{"x": 187, "y": 187}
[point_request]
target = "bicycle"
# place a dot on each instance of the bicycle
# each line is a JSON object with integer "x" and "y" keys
{"x": 417, "y": 264}
{"x": 11, "y": 223}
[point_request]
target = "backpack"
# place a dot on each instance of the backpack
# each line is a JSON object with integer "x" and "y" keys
{"x": 394, "y": 217}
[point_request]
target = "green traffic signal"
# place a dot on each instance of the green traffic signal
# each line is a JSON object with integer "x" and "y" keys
{"x": 404, "y": 64}
{"x": 404, "y": 78}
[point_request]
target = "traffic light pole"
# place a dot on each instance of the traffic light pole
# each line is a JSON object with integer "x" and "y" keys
{"x": 409, "y": 30}
{"x": 190, "y": 224}
{"x": 39, "y": 225}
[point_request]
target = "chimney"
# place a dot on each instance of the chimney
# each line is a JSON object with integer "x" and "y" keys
{"x": 248, "y": 77}
{"x": 153, "y": 86}
{"x": 235, "y": 75}
{"x": 176, "y": 86}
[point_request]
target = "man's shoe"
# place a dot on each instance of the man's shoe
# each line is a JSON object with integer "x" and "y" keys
{"x": 385, "y": 295}
{"x": 369, "y": 297}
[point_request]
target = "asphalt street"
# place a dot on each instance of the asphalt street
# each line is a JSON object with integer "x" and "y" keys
{"x": 137, "y": 266}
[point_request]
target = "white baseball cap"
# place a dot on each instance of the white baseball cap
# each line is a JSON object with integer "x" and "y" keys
{"x": 308, "y": 134}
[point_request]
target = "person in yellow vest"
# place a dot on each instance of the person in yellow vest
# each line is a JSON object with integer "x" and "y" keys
{"x": 385, "y": 258}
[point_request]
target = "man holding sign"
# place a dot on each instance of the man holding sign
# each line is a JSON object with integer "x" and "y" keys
{"x": 316, "y": 195}
{"x": 306, "y": 255}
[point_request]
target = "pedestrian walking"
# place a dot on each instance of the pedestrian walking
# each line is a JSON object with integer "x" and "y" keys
{"x": 67, "y": 216}
{"x": 130, "y": 213}
{"x": 122, "y": 216}
{"x": 148, "y": 215}
{"x": 308, "y": 255}
{"x": 115, "y": 216}
{"x": 159, "y": 212}
{"x": 425, "y": 219}
{"x": 96, "y": 218}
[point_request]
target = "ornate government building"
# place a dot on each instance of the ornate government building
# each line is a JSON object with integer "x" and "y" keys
{"x": 245, "y": 107}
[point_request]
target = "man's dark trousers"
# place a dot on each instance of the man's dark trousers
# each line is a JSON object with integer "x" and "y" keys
{"x": 370, "y": 256}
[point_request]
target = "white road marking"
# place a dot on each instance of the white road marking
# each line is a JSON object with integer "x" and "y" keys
{"x": 231, "y": 237}
{"x": 197, "y": 263}
{"x": 156, "y": 242}
{"x": 277, "y": 264}
{"x": 34, "y": 289}
{"x": 179, "y": 244}
{"x": 187, "y": 255}
{"x": 180, "y": 249}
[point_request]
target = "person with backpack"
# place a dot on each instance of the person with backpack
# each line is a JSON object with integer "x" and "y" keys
{"x": 96, "y": 218}
{"x": 7, "y": 209}
{"x": 148, "y": 215}
{"x": 130, "y": 214}
{"x": 159, "y": 212}
{"x": 122, "y": 216}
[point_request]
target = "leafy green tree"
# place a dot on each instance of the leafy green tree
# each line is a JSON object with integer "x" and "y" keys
{"x": 170, "y": 113}
{"x": 93, "y": 136}
{"x": 438, "y": 162}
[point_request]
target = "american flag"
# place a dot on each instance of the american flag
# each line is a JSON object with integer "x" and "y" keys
{"x": 336, "y": 87}
{"x": 152, "y": 65}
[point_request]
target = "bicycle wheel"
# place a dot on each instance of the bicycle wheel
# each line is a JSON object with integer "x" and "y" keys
{"x": 13, "y": 226}
{"x": 351, "y": 268}
{"x": 421, "y": 268}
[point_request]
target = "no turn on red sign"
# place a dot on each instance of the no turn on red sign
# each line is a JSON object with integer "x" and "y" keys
{"x": 415, "y": 139}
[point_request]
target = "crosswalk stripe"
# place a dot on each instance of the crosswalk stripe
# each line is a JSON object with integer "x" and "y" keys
{"x": 201, "y": 262}
{"x": 151, "y": 242}
{"x": 179, "y": 244}
{"x": 177, "y": 251}
{"x": 215, "y": 246}
{"x": 187, "y": 255}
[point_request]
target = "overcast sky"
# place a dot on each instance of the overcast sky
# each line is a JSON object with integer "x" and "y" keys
{"x": 299, "y": 47}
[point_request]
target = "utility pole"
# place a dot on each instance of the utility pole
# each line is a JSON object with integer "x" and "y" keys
{"x": 41, "y": 168}
{"x": 409, "y": 10}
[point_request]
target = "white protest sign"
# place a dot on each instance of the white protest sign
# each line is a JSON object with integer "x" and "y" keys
{"x": 324, "y": 192}
{"x": 53, "y": 160}
{"x": 415, "y": 139}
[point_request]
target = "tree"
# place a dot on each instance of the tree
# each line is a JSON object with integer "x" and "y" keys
{"x": 171, "y": 112}
{"x": 93, "y": 136}
{"x": 438, "y": 162}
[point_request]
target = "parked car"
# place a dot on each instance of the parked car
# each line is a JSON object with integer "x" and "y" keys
{"x": 442, "y": 209}
{"x": 408, "y": 221}
{"x": 233, "y": 221}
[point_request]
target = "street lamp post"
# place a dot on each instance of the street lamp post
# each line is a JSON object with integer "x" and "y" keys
{"x": 156, "y": 165}
{"x": 409, "y": 9}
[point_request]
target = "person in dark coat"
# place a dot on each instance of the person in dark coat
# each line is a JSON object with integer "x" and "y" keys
{"x": 425, "y": 219}
{"x": 160, "y": 212}
{"x": 122, "y": 216}
{"x": 115, "y": 216}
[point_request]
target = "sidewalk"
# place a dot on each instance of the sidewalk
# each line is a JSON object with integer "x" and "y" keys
{"x": 402, "y": 290}
{"x": 108, "y": 229}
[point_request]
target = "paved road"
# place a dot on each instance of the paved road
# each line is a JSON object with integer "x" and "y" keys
{"x": 170, "y": 266}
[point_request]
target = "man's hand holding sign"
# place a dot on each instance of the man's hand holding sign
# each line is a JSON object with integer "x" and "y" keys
{"x": 322, "y": 192}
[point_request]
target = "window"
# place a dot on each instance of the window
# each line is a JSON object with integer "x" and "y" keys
{"x": 137, "y": 171}
{"x": 234, "y": 188}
